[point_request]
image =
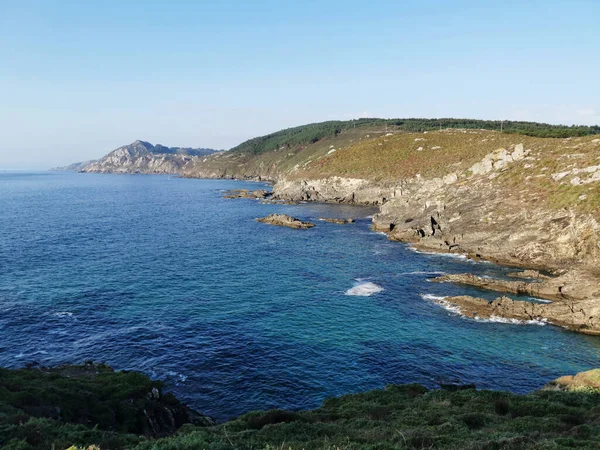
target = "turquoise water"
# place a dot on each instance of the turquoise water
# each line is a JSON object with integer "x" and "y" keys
{"x": 165, "y": 276}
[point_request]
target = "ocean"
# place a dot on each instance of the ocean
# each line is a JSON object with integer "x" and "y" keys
{"x": 164, "y": 276}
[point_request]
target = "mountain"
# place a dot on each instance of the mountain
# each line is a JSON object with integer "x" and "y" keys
{"x": 142, "y": 157}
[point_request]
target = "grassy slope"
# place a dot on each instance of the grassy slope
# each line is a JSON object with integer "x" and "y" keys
{"x": 393, "y": 158}
{"x": 407, "y": 416}
{"x": 278, "y": 153}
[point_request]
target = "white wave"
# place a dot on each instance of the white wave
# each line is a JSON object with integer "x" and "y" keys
{"x": 63, "y": 314}
{"x": 37, "y": 352}
{"x": 539, "y": 300}
{"x": 447, "y": 255}
{"x": 180, "y": 377}
{"x": 496, "y": 319}
{"x": 364, "y": 289}
{"x": 440, "y": 300}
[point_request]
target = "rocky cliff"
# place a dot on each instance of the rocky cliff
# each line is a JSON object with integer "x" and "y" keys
{"x": 143, "y": 157}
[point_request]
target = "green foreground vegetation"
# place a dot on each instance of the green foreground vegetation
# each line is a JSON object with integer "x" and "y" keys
{"x": 58, "y": 409}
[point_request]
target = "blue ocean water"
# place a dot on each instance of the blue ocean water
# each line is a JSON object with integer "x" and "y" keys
{"x": 164, "y": 276}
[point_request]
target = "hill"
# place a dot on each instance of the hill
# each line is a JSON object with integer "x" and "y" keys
{"x": 142, "y": 157}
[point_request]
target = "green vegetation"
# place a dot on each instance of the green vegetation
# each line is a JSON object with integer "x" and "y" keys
{"x": 309, "y": 134}
{"x": 42, "y": 407}
{"x": 409, "y": 416}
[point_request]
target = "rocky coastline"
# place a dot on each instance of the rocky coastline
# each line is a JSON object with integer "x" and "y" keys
{"x": 465, "y": 214}
{"x": 526, "y": 203}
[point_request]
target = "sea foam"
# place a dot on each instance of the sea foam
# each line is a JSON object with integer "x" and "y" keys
{"x": 447, "y": 255}
{"x": 440, "y": 300}
{"x": 364, "y": 289}
{"x": 496, "y": 319}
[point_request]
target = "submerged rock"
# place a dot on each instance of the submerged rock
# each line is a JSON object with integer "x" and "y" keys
{"x": 283, "y": 220}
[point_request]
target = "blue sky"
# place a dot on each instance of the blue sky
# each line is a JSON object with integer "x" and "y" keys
{"x": 78, "y": 79}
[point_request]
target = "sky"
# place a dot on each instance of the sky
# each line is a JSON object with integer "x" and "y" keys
{"x": 78, "y": 79}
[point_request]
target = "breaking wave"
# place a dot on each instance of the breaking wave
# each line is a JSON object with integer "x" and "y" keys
{"x": 364, "y": 289}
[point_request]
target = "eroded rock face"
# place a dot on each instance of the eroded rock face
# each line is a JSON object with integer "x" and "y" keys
{"x": 334, "y": 190}
{"x": 283, "y": 220}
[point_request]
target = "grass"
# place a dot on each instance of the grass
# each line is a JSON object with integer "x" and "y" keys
{"x": 408, "y": 416}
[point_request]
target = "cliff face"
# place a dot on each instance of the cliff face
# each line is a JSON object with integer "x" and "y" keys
{"x": 142, "y": 157}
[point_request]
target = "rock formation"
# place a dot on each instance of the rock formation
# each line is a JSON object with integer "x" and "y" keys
{"x": 337, "y": 221}
{"x": 245, "y": 193}
{"x": 283, "y": 220}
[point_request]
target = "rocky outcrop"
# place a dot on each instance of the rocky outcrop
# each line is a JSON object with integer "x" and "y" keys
{"x": 575, "y": 300}
{"x": 337, "y": 221}
{"x": 334, "y": 190}
{"x": 588, "y": 381}
{"x": 143, "y": 157}
{"x": 583, "y": 316}
{"x": 551, "y": 289}
{"x": 283, "y": 220}
{"x": 471, "y": 214}
{"x": 529, "y": 274}
{"x": 246, "y": 193}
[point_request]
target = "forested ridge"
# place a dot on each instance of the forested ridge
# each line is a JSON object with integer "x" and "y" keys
{"x": 311, "y": 133}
